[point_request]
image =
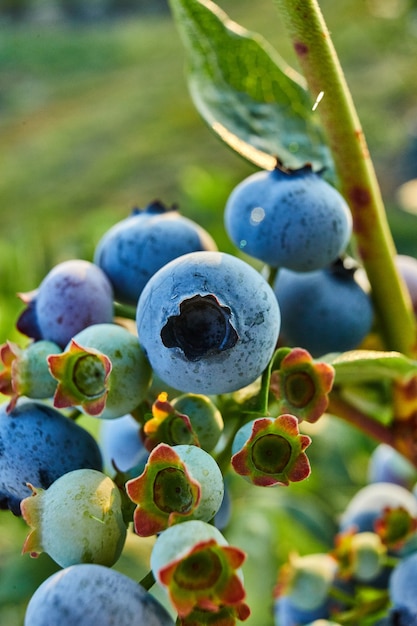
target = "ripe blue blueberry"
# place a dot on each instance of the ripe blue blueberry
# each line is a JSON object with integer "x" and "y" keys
{"x": 399, "y": 616}
{"x": 291, "y": 219}
{"x": 92, "y": 595}
{"x": 135, "y": 248}
{"x": 38, "y": 445}
{"x": 402, "y": 588}
{"x": 323, "y": 311}
{"x": 287, "y": 614}
{"x": 407, "y": 267}
{"x": 208, "y": 323}
{"x": 389, "y": 466}
{"x": 120, "y": 443}
{"x": 72, "y": 296}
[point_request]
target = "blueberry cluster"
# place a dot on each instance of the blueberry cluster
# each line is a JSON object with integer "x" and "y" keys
{"x": 368, "y": 576}
{"x": 196, "y": 365}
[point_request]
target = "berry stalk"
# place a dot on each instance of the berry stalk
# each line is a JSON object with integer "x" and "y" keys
{"x": 357, "y": 178}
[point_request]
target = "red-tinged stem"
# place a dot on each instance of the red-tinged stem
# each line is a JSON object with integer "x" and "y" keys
{"x": 341, "y": 408}
{"x": 400, "y": 434}
{"x": 358, "y": 181}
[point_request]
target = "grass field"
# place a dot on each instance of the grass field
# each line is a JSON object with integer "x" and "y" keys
{"x": 95, "y": 120}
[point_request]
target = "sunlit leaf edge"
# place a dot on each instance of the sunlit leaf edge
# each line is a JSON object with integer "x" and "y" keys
{"x": 360, "y": 366}
{"x": 259, "y": 129}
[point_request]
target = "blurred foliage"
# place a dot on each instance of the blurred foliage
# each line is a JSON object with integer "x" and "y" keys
{"x": 96, "y": 119}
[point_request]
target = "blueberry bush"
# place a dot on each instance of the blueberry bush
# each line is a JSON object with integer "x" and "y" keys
{"x": 209, "y": 375}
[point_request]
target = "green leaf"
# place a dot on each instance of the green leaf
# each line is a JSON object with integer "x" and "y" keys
{"x": 246, "y": 93}
{"x": 361, "y": 366}
{"x": 372, "y": 398}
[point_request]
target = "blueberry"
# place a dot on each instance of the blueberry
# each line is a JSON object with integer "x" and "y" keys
{"x": 26, "y": 371}
{"x": 389, "y": 466}
{"x": 136, "y": 247}
{"x": 370, "y": 503}
{"x": 323, "y": 311}
{"x": 38, "y": 445}
{"x": 193, "y": 562}
{"x": 179, "y": 483}
{"x": 223, "y": 515}
{"x": 291, "y": 219}
{"x": 206, "y": 419}
{"x": 91, "y": 594}
{"x": 407, "y": 267}
{"x": 208, "y": 323}
{"x": 78, "y": 519}
{"x": 130, "y": 374}
{"x": 121, "y": 444}
{"x": 399, "y": 616}
{"x": 402, "y": 584}
{"x": 72, "y": 296}
{"x": 287, "y": 614}
{"x": 306, "y": 581}
{"x": 204, "y": 469}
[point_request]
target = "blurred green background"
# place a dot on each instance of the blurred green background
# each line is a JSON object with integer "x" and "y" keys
{"x": 95, "y": 118}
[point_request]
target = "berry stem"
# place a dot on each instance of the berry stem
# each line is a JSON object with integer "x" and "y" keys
{"x": 147, "y": 581}
{"x": 224, "y": 456}
{"x": 357, "y": 179}
{"x": 125, "y": 311}
{"x": 364, "y": 608}
{"x": 343, "y": 409}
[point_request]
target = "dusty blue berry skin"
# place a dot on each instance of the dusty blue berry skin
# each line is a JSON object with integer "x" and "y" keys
{"x": 389, "y": 466}
{"x": 72, "y": 296}
{"x": 135, "y": 248}
{"x": 38, "y": 445}
{"x": 208, "y": 322}
{"x": 121, "y": 445}
{"x": 286, "y": 614}
{"x": 402, "y": 584}
{"x": 289, "y": 219}
{"x": 399, "y": 616}
{"x": 92, "y": 595}
{"x": 323, "y": 311}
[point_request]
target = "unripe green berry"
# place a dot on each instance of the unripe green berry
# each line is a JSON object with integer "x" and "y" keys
{"x": 78, "y": 519}
{"x": 206, "y": 419}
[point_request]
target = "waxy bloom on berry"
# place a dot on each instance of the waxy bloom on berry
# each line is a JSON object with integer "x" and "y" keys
{"x": 167, "y": 425}
{"x": 26, "y": 371}
{"x": 301, "y": 385}
{"x": 82, "y": 375}
{"x": 269, "y": 451}
{"x": 201, "y": 573}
